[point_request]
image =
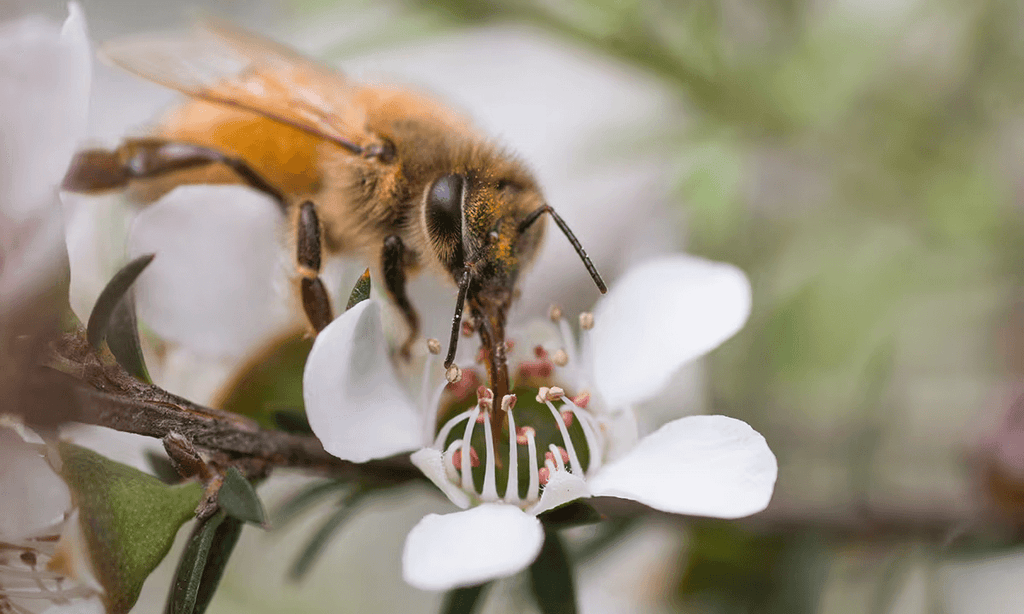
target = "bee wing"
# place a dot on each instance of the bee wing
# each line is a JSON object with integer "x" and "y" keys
{"x": 221, "y": 64}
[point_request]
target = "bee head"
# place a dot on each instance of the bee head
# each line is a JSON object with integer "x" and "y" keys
{"x": 485, "y": 232}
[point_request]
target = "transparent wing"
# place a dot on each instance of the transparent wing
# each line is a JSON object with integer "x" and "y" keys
{"x": 224, "y": 65}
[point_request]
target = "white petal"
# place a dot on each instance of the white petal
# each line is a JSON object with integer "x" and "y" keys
{"x": 431, "y": 463}
{"x": 219, "y": 282}
{"x": 659, "y": 316}
{"x": 562, "y": 487}
{"x": 701, "y": 466}
{"x": 44, "y": 94}
{"x": 466, "y": 548}
{"x": 353, "y": 400}
{"x": 34, "y": 497}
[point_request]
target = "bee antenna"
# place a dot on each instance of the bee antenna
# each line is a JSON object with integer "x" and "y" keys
{"x": 536, "y": 213}
{"x": 453, "y": 342}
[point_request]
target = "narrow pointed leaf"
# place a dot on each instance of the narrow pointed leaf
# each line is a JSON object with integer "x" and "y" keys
{"x": 552, "y": 579}
{"x": 464, "y": 600}
{"x": 123, "y": 339}
{"x": 202, "y": 564}
{"x": 360, "y": 292}
{"x": 318, "y": 543}
{"x": 239, "y": 500}
{"x": 115, "y": 290}
{"x": 113, "y": 319}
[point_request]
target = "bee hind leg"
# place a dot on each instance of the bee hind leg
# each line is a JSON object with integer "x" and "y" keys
{"x": 315, "y": 301}
{"x": 95, "y": 170}
{"x": 393, "y": 267}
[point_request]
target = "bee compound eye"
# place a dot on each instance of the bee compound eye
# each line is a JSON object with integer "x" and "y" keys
{"x": 444, "y": 205}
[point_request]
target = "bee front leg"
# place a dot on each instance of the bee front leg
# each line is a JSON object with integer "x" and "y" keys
{"x": 315, "y": 301}
{"x": 393, "y": 267}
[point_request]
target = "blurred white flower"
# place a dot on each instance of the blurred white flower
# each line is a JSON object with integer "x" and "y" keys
{"x": 44, "y": 89}
{"x": 44, "y": 562}
{"x": 661, "y": 315}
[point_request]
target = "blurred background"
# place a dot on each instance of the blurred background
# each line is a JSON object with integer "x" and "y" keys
{"x": 859, "y": 159}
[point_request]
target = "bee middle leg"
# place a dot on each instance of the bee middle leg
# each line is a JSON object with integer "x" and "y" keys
{"x": 393, "y": 268}
{"x": 315, "y": 301}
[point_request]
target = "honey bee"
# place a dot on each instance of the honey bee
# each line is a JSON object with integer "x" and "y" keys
{"x": 384, "y": 173}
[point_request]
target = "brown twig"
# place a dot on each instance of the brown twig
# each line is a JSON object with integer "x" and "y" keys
{"x": 103, "y": 393}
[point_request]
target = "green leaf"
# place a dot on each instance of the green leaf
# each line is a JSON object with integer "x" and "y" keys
{"x": 239, "y": 500}
{"x": 360, "y": 292}
{"x": 306, "y": 498}
{"x": 129, "y": 519}
{"x": 202, "y": 564}
{"x": 318, "y": 543}
{"x": 464, "y": 600}
{"x": 113, "y": 319}
{"x": 574, "y": 514}
{"x": 551, "y": 577}
{"x": 123, "y": 339}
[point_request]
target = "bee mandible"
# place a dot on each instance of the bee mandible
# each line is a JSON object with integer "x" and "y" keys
{"x": 384, "y": 173}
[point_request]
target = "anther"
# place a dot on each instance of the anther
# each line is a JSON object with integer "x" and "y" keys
{"x": 453, "y": 374}
{"x": 540, "y": 352}
{"x": 567, "y": 417}
{"x": 474, "y": 458}
{"x": 550, "y": 457}
{"x": 545, "y": 394}
{"x": 485, "y": 400}
{"x": 586, "y": 320}
{"x": 524, "y": 434}
{"x": 433, "y": 346}
{"x": 555, "y": 313}
{"x": 508, "y": 403}
{"x": 467, "y": 328}
{"x": 510, "y": 345}
{"x": 560, "y": 358}
{"x": 544, "y": 474}
{"x": 582, "y": 400}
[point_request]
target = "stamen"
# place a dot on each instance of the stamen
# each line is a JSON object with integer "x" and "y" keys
{"x": 508, "y": 403}
{"x": 533, "y": 490}
{"x": 540, "y": 352}
{"x": 484, "y": 399}
{"x": 467, "y": 475}
{"x": 557, "y": 456}
{"x": 582, "y": 400}
{"x": 543, "y": 475}
{"x": 561, "y": 358}
{"x": 590, "y": 432}
{"x": 568, "y": 341}
{"x": 490, "y": 489}
{"x": 545, "y": 394}
{"x": 453, "y": 374}
{"x": 555, "y": 313}
{"x": 524, "y": 433}
{"x": 451, "y": 469}
{"x": 586, "y": 320}
{"x": 573, "y": 458}
{"x": 442, "y": 435}
{"x": 433, "y": 346}
{"x": 512, "y": 487}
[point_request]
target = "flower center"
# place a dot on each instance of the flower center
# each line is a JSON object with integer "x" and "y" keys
{"x": 544, "y": 431}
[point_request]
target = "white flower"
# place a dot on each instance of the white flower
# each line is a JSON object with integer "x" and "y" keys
{"x": 554, "y": 448}
{"x": 44, "y": 91}
{"x": 44, "y": 563}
